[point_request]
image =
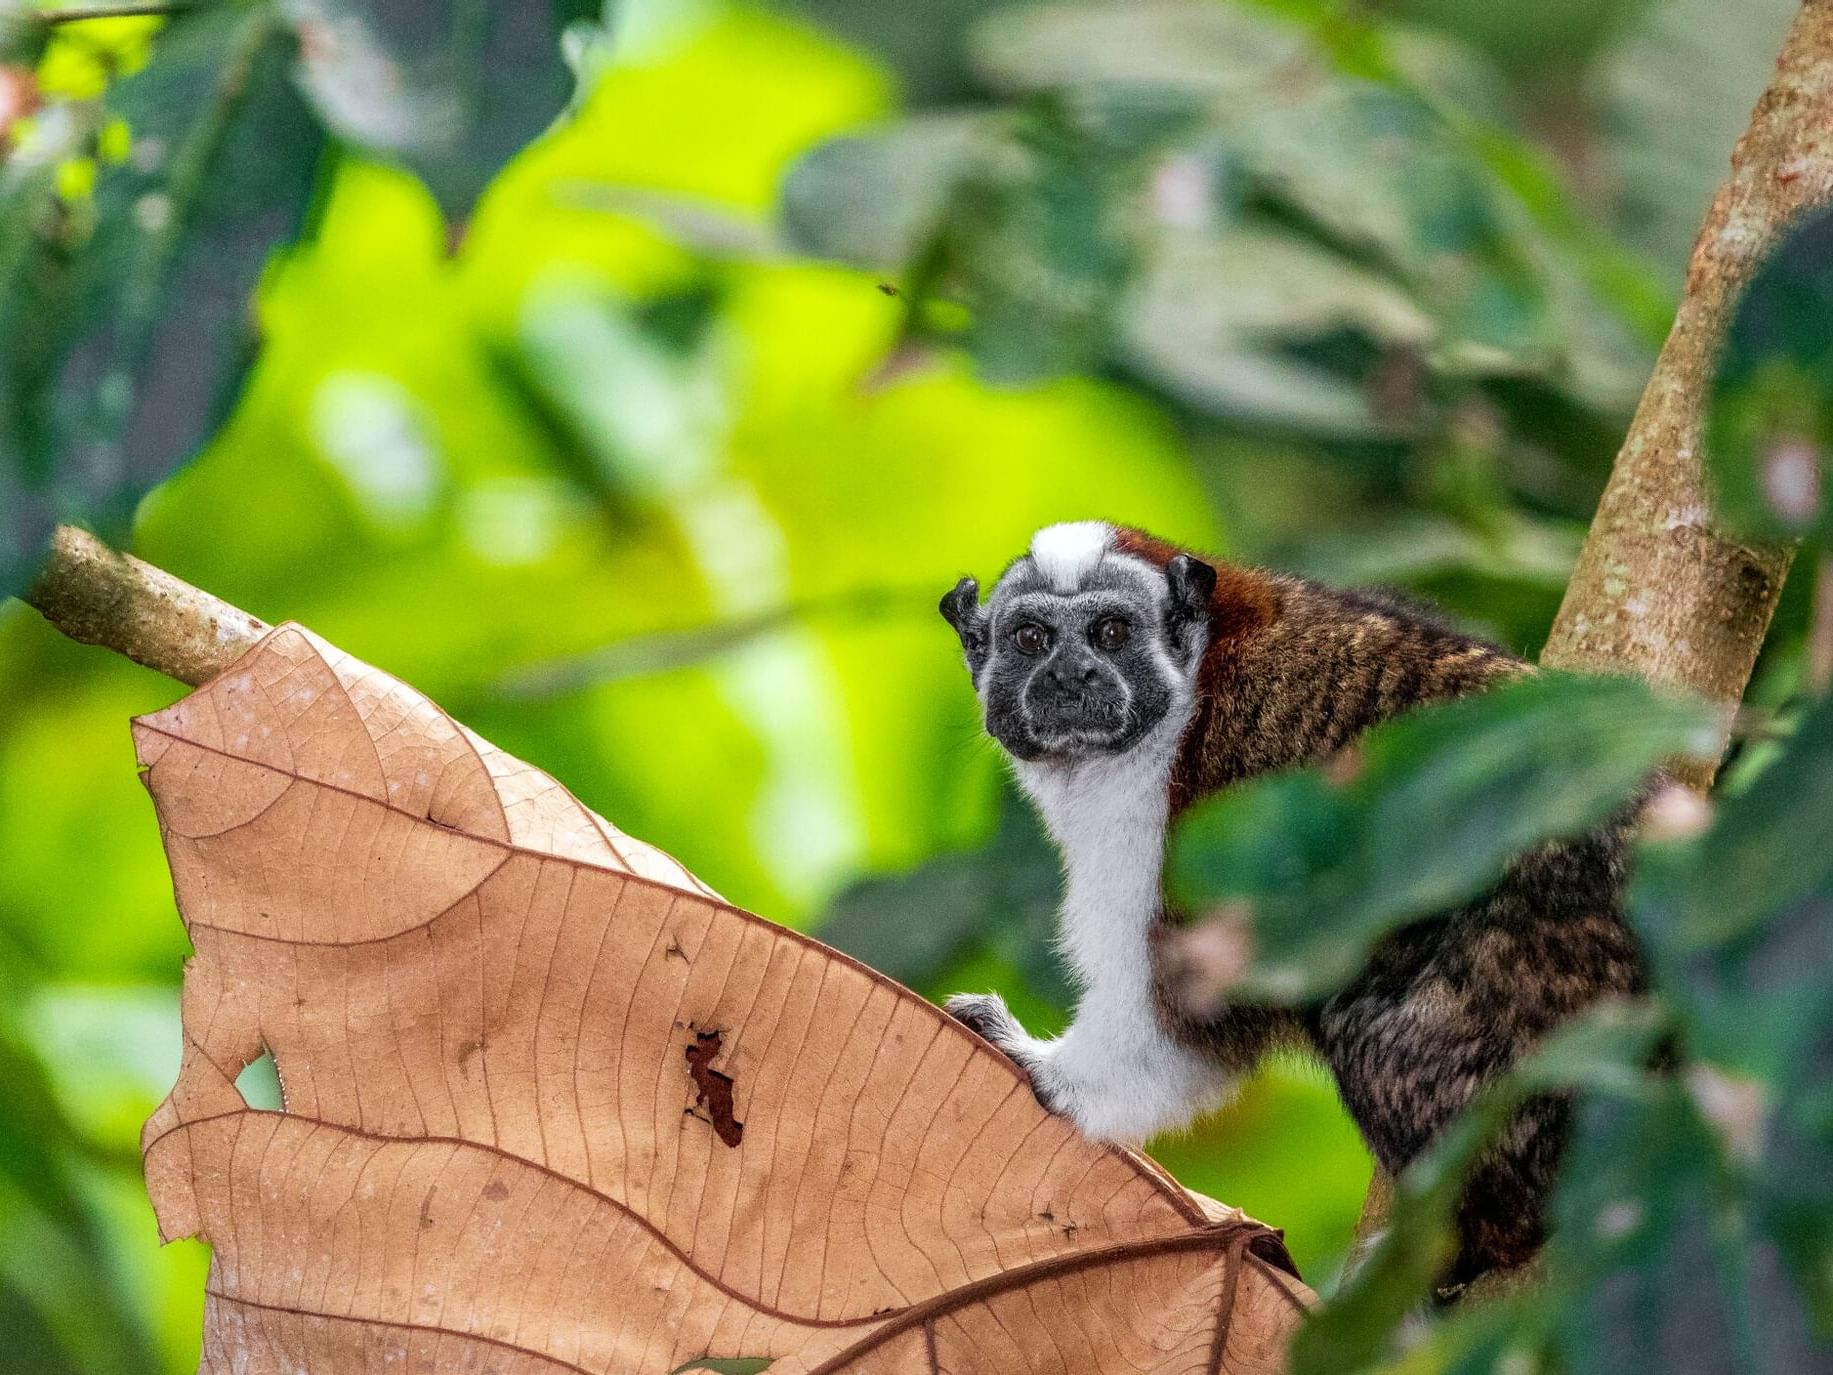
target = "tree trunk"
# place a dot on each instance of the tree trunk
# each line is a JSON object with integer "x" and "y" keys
{"x": 1658, "y": 591}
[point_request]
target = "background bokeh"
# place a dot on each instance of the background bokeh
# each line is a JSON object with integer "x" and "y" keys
{"x": 653, "y": 474}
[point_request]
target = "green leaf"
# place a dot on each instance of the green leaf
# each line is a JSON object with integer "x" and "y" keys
{"x": 922, "y": 44}
{"x": 916, "y": 926}
{"x": 35, "y": 1137}
{"x": 127, "y": 319}
{"x": 1210, "y": 315}
{"x": 1378, "y": 172}
{"x": 1752, "y": 865}
{"x": 1664, "y": 133}
{"x": 875, "y": 200}
{"x": 1040, "y": 237}
{"x": 1443, "y": 800}
{"x": 222, "y": 168}
{"x": 451, "y": 88}
{"x": 1200, "y": 47}
{"x": 1772, "y": 399}
{"x": 1143, "y": 203}
{"x": 32, "y": 284}
{"x": 59, "y": 1272}
{"x": 728, "y": 1365}
{"x": 1740, "y": 929}
{"x": 1662, "y": 1244}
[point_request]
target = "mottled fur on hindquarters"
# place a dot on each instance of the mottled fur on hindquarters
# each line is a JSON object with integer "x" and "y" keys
{"x": 1222, "y": 673}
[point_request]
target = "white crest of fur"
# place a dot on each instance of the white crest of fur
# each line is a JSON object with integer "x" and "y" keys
{"x": 1065, "y": 554}
{"x": 1117, "y": 1072}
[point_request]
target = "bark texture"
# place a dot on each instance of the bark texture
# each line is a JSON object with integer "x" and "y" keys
{"x": 1658, "y": 591}
{"x": 101, "y": 597}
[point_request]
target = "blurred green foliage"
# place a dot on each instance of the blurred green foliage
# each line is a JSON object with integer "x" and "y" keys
{"x": 650, "y": 452}
{"x": 1772, "y": 406}
{"x": 1694, "y": 1219}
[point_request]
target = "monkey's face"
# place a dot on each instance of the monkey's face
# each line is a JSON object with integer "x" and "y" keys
{"x": 1084, "y": 656}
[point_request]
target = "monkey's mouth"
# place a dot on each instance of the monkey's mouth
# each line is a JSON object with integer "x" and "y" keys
{"x": 1079, "y": 741}
{"x": 1089, "y": 726}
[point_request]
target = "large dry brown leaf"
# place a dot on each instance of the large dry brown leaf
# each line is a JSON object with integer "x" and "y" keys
{"x": 551, "y": 1105}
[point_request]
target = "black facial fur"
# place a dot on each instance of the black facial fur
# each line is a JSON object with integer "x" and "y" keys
{"x": 1065, "y": 675}
{"x": 960, "y": 607}
{"x": 1191, "y": 582}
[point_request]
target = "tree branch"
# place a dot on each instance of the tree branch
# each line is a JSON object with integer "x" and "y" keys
{"x": 1657, "y": 590}
{"x": 101, "y": 597}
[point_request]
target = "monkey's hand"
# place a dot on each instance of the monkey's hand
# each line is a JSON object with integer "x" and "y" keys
{"x": 1118, "y": 1078}
{"x": 987, "y": 1015}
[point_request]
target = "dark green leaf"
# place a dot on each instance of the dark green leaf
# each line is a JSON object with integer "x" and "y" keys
{"x": 1752, "y": 864}
{"x": 33, "y": 224}
{"x": 40, "y": 1199}
{"x": 1772, "y": 400}
{"x": 923, "y": 43}
{"x": 1040, "y": 237}
{"x": 40, "y": 231}
{"x": 126, "y": 342}
{"x": 875, "y": 200}
{"x": 1209, "y": 315}
{"x": 727, "y": 1365}
{"x": 451, "y": 88}
{"x": 1444, "y": 798}
{"x": 1200, "y": 47}
{"x": 1740, "y": 927}
{"x": 35, "y": 1137}
{"x": 222, "y": 169}
{"x": 1665, "y": 133}
{"x": 23, "y": 35}
{"x": 27, "y": 1330}
{"x": 1670, "y": 1271}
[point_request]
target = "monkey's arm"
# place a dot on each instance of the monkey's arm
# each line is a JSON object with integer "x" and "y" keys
{"x": 1118, "y": 1076}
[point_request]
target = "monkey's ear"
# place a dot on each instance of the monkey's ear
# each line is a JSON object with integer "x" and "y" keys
{"x": 1191, "y": 582}
{"x": 961, "y": 609}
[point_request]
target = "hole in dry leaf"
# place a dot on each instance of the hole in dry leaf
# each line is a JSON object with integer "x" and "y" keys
{"x": 259, "y": 1083}
{"x": 713, "y": 1090}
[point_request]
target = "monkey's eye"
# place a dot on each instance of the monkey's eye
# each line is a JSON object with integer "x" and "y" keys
{"x": 1111, "y": 633}
{"x": 1031, "y": 638}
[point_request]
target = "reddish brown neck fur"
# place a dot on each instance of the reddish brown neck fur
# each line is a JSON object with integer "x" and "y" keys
{"x": 1295, "y": 670}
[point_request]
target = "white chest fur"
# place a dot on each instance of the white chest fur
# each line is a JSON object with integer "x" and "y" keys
{"x": 1108, "y": 818}
{"x": 1116, "y": 1071}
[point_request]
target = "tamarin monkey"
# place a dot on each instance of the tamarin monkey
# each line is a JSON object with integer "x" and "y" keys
{"x": 1128, "y": 678}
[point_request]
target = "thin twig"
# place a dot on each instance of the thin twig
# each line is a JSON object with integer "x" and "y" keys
{"x": 671, "y": 649}
{"x": 124, "y": 9}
